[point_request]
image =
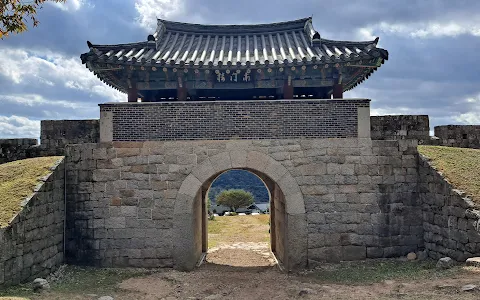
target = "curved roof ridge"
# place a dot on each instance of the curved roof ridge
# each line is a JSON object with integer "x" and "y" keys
{"x": 126, "y": 45}
{"x": 246, "y": 28}
{"x": 328, "y": 41}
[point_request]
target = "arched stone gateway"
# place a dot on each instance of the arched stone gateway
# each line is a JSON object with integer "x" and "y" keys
{"x": 189, "y": 216}
{"x": 135, "y": 199}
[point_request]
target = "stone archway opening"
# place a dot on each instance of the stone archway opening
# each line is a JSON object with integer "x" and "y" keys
{"x": 248, "y": 241}
{"x": 189, "y": 219}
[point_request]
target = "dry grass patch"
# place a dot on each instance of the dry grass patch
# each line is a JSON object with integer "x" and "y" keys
{"x": 232, "y": 229}
{"x": 461, "y": 167}
{"x": 17, "y": 181}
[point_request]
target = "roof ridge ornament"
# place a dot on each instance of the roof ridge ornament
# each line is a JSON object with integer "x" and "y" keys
{"x": 151, "y": 43}
{"x": 315, "y": 38}
{"x": 158, "y": 35}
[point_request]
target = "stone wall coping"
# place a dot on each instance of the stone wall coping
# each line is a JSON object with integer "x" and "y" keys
{"x": 397, "y": 116}
{"x": 25, "y": 202}
{"x": 357, "y": 142}
{"x": 361, "y": 100}
{"x": 462, "y": 194}
{"x": 458, "y": 126}
{"x": 65, "y": 120}
{"x": 19, "y": 141}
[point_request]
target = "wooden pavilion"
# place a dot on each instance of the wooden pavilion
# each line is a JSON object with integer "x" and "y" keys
{"x": 185, "y": 62}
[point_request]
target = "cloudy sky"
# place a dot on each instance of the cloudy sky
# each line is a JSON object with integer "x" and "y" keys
{"x": 433, "y": 44}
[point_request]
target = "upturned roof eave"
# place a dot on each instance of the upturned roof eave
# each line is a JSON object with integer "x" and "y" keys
{"x": 92, "y": 57}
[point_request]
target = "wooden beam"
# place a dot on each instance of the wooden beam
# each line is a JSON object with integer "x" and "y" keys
{"x": 338, "y": 91}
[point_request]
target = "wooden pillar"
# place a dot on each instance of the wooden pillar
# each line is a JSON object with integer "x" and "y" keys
{"x": 133, "y": 94}
{"x": 181, "y": 90}
{"x": 182, "y": 94}
{"x": 288, "y": 89}
{"x": 338, "y": 91}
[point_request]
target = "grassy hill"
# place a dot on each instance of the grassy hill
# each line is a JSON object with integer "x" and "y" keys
{"x": 17, "y": 181}
{"x": 461, "y": 167}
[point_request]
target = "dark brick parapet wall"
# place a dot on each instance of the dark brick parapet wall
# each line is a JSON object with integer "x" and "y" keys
{"x": 220, "y": 120}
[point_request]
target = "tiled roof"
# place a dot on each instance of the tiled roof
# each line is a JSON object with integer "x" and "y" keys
{"x": 178, "y": 44}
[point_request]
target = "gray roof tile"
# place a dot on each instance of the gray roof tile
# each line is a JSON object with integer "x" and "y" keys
{"x": 241, "y": 45}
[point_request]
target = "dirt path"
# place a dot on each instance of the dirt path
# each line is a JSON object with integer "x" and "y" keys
{"x": 242, "y": 255}
{"x": 213, "y": 281}
{"x": 246, "y": 270}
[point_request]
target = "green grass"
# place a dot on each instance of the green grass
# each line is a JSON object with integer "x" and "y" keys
{"x": 461, "y": 167}
{"x": 368, "y": 272}
{"x": 79, "y": 281}
{"x": 17, "y": 181}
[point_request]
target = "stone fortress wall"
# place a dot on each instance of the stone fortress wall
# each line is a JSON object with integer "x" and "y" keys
{"x": 32, "y": 245}
{"x": 16, "y": 149}
{"x": 400, "y": 127}
{"x": 54, "y": 136}
{"x": 361, "y": 197}
{"x": 464, "y": 136}
{"x": 451, "y": 220}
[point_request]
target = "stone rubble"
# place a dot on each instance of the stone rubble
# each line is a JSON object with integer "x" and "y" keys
{"x": 411, "y": 256}
{"x": 445, "y": 263}
{"x": 40, "y": 284}
{"x": 469, "y": 288}
{"x": 473, "y": 261}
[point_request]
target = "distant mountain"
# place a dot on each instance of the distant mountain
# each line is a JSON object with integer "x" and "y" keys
{"x": 240, "y": 179}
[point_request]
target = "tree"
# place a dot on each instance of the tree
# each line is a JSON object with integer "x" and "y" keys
{"x": 14, "y": 15}
{"x": 235, "y": 199}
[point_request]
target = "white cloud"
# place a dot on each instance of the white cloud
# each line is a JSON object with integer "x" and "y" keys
{"x": 38, "y": 100}
{"x": 149, "y": 10}
{"x": 392, "y": 111}
{"x": 423, "y": 29}
{"x": 54, "y": 70}
{"x": 472, "y": 117}
{"x": 70, "y": 5}
{"x": 16, "y": 126}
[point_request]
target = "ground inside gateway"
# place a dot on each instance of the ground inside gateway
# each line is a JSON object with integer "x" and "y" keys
{"x": 240, "y": 241}
{"x": 239, "y": 265}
